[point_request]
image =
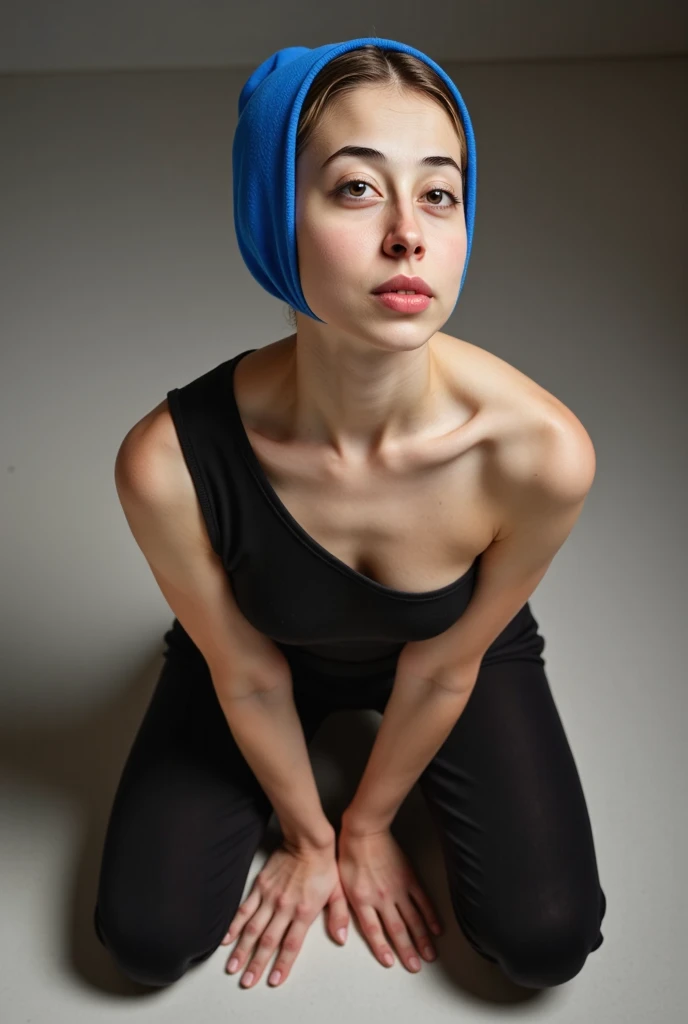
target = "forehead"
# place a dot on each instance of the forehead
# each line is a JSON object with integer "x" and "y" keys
{"x": 376, "y": 105}
{"x": 386, "y": 119}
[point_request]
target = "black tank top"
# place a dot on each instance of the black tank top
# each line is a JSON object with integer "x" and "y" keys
{"x": 320, "y": 612}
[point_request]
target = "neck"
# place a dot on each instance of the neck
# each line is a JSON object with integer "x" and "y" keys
{"x": 359, "y": 401}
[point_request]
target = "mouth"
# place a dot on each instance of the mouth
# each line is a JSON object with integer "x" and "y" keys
{"x": 404, "y": 285}
{"x": 403, "y": 302}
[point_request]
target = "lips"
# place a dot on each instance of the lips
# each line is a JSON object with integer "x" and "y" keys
{"x": 406, "y": 284}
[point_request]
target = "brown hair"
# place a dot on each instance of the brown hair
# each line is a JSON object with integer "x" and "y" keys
{"x": 371, "y": 65}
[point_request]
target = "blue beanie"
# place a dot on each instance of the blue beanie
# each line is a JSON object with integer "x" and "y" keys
{"x": 264, "y": 162}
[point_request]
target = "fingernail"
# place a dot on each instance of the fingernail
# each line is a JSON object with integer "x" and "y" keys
{"x": 388, "y": 959}
{"x": 341, "y": 934}
{"x": 429, "y": 953}
{"x": 436, "y": 929}
{"x": 233, "y": 964}
{"x": 275, "y": 977}
{"x": 414, "y": 962}
{"x": 247, "y": 978}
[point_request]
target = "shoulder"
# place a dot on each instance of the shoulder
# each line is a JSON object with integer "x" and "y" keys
{"x": 496, "y": 383}
{"x": 507, "y": 396}
{"x": 150, "y": 456}
{"x": 534, "y": 444}
{"x": 553, "y": 460}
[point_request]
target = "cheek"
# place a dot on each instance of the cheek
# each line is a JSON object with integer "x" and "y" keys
{"x": 455, "y": 246}
{"x": 331, "y": 255}
{"x": 459, "y": 244}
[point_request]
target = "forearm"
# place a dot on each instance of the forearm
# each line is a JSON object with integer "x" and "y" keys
{"x": 417, "y": 720}
{"x": 267, "y": 729}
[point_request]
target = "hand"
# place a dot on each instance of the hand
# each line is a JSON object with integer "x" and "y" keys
{"x": 288, "y": 894}
{"x": 378, "y": 881}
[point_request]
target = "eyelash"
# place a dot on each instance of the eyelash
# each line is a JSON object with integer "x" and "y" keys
{"x": 455, "y": 201}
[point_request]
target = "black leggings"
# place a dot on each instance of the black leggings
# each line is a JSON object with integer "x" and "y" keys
{"x": 503, "y": 791}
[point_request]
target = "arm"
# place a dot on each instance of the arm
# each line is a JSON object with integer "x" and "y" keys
{"x": 268, "y": 731}
{"x": 250, "y": 674}
{"x": 435, "y": 677}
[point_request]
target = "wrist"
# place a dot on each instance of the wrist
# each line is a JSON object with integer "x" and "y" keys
{"x": 321, "y": 842}
{"x": 355, "y": 825}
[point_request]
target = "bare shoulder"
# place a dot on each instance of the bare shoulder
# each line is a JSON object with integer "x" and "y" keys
{"x": 150, "y": 453}
{"x": 499, "y": 385}
{"x": 533, "y": 437}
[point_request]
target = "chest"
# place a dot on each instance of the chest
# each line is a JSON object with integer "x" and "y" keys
{"x": 416, "y": 523}
{"x": 414, "y": 527}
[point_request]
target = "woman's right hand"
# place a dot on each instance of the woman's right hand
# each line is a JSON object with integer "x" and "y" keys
{"x": 287, "y": 896}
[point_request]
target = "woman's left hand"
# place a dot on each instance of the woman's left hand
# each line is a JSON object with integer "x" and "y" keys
{"x": 380, "y": 884}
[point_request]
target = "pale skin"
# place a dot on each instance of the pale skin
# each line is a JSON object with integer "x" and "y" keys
{"x": 399, "y": 431}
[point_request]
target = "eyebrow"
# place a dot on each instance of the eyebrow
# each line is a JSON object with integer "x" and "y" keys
{"x": 366, "y": 153}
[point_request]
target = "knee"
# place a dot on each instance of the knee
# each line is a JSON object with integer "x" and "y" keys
{"x": 149, "y": 959}
{"x": 546, "y": 956}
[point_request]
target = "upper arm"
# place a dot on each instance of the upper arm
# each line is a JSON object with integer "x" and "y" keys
{"x": 159, "y": 501}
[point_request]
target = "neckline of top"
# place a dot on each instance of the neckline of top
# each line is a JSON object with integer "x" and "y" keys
{"x": 303, "y": 535}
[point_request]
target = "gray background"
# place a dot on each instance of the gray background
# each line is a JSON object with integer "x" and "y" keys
{"x": 121, "y": 278}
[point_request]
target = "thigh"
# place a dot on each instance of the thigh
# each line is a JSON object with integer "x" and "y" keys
{"x": 187, "y": 818}
{"x": 505, "y": 793}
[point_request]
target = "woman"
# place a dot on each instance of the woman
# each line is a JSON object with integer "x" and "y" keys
{"x": 352, "y": 517}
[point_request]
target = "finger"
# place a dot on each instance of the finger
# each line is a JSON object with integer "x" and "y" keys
{"x": 246, "y": 910}
{"x": 338, "y": 908}
{"x": 372, "y": 929}
{"x": 251, "y": 933}
{"x": 289, "y": 950}
{"x": 418, "y": 928}
{"x": 426, "y": 908}
{"x": 268, "y": 942}
{"x": 396, "y": 927}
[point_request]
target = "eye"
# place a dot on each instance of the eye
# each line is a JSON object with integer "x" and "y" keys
{"x": 453, "y": 198}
